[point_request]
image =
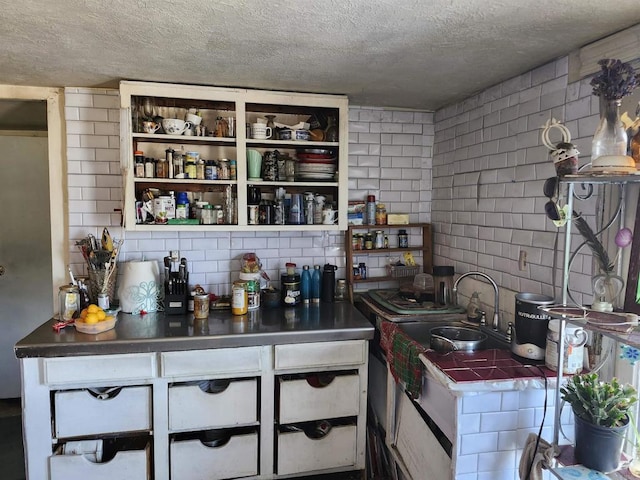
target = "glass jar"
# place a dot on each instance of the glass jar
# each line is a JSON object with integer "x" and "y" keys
{"x": 207, "y": 215}
{"x": 69, "y": 301}
{"x": 218, "y": 215}
{"x": 379, "y": 239}
{"x": 368, "y": 241}
{"x": 239, "y": 298}
{"x": 200, "y": 170}
{"x": 162, "y": 168}
{"x": 381, "y": 214}
{"x": 190, "y": 169}
{"x": 403, "y": 239}
{"x": 138, "y": 156}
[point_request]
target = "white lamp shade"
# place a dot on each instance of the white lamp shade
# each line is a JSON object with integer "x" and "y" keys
{"x": 139, "y": 288}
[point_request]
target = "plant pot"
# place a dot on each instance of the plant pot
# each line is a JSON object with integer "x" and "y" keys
{"x": 599, "y": 448}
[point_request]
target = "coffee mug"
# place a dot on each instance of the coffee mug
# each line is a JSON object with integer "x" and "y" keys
{"x": 150, "y": 127}
{"x": 260, "y": 131}
{"x": 329, "y": 216}
{"x": 254, "y": 164}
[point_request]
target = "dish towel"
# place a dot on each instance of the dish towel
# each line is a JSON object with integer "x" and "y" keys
{"x": 402, "y": 357}
{"x": 543, "y": 456}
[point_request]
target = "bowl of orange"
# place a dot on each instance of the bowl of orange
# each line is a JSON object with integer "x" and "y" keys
{"x": 94, "y": 319}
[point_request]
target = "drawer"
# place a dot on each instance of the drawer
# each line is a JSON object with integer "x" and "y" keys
{"x": 191, "y": 408}
{"x": 298, "y": 453}
{"x": 79, "y": 413}
{"x": 98, "y": 369}
{"x": 300, "y": 401}
{"x": 321, "y": 354}
{"x": 192, "y": 460}
{"x": 211, "y": 362}
{"x": 126, "y": 465}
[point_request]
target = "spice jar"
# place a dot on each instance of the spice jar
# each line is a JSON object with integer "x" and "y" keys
{"x": 207, "y": 215}
{"x": 403, "y": 239}
{"x": 381, "y": 214}
{"x": 368, "y": 241}
{"x": 138, "y": 156}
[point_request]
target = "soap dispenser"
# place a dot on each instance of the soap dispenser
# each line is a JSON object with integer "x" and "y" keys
{"x": 474, "y": 310}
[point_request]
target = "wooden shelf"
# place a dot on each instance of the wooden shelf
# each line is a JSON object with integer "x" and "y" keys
{"x": 425, "y": 247}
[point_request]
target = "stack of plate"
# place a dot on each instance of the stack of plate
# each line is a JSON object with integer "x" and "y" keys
{"x": 317, "y": 164}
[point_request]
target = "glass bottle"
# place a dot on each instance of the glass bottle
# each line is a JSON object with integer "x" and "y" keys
{"x": 381, "y": 214}
{"x": 331, "y": 132}
{"x": 474, "y": 309}
{"x": 341, "y": 290}
{"x": 610, "y": 137}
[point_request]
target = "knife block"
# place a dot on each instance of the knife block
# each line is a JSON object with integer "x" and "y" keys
{"x": 175, "y": 304}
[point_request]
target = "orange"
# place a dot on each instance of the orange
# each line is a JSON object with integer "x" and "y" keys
{"x": 93, "y": 308}
{"x": 91, "y": 318}
{"x": 101, "y": 315}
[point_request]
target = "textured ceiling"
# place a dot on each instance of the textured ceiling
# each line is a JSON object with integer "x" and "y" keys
{"x": 420, "y": 54}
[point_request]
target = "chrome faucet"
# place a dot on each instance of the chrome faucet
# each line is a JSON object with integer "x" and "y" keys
{"x": 496, "y": 318}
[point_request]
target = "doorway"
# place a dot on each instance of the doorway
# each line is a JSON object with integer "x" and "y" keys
{"x": 33, "y": 250}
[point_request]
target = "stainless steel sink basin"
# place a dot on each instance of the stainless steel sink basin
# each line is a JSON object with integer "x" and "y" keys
{"x": 421, "y": 333}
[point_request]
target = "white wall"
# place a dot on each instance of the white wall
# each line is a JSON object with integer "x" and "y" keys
{"x": 390, "y": 157}
{"x": 489, "y": 166}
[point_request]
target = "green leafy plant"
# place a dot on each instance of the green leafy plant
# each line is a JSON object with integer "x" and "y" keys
{"x": 607, "y": 404}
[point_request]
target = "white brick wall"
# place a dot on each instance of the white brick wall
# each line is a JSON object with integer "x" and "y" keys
{"x": 390, "y": 157}
{"x": 489, "y": 166}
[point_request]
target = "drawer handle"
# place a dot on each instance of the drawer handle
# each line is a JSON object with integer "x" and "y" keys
{"x": 214, "y": 386}
{"x": 104, "y": 393}
{"x": 320, "y": 380}
{"x": 215, "y": 439}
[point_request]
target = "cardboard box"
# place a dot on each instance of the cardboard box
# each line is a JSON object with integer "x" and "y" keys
{"x": 397, "y": 218}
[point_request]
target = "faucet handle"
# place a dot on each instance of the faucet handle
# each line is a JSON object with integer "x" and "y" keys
{"x": 483, "y": 318}
{"x": 509, "y": 331}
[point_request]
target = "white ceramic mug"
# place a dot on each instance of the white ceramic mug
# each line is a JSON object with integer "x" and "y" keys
{"x": 329, "y": 216}
{"x": 260, "y": 131}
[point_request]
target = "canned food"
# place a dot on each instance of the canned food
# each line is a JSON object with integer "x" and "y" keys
{"x": 253, "y": 294}
{"x": 239, "y": 298}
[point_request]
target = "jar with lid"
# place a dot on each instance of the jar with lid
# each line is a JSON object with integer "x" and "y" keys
{"x": 368, "y": 241}
{"x": 200, "y": 169}
{"x": 239, "y": 298}
{"x": 162, "y": 168}
{"x": 403, "y": 239}
{"x": 210, "y": 170}
{"x": 190, "y": 169}
{"x": 69, "y": 301}
{"x": 223, "y": 169}
{"x": 356, "y": 241}
{"x": 149, "y": 168}
{"x": 379, "y": 239}
{"x": 138, "y": 156}
{"x": 218, "y": 215}
{"x": 381, "y": 214}
{"x": 207, "y": 215}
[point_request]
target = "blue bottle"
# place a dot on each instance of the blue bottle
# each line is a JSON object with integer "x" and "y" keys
{"x": 316, "y": 281}
{"x": 305, "y": 285}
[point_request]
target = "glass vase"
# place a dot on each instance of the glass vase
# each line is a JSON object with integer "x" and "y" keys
{"x": 610, "y": 137}
{"x": 606, "y": 289}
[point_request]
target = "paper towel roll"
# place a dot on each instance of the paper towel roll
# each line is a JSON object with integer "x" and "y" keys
{"x": 139, "y": 288}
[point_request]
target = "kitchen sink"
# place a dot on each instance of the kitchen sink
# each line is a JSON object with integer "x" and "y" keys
{"x": 421, "y": 333}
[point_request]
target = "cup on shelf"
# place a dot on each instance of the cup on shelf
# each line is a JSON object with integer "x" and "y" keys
{"x": 259, "y": 131}
{"x": 150, "y": 127}
{"x": 254, "y": 164}
{"x": 175, "y": 126}
{"x": 329, "y": 216}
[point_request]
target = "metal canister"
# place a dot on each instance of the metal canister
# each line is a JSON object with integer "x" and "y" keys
{"x": 239, "y": 298}
{"x": 253, "y": 294}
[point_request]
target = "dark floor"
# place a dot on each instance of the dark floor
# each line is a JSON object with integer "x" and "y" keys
{"x": 11, "y": 453}
{"x": 12, "y": 457}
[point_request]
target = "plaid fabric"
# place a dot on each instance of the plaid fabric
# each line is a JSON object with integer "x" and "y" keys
{"x": 402, "y": 357}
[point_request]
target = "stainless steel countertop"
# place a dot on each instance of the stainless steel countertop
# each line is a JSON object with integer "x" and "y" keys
{"x": 157, "y": 332}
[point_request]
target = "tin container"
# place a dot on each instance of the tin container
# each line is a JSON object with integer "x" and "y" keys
{"x": 253, "y": 294}
{"x": 201, "y": 305}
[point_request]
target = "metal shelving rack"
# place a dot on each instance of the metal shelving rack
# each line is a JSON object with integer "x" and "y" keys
{"x": 632, "y": 339}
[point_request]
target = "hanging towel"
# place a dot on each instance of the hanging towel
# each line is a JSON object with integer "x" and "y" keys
{"x": 402, "y": 357}
{"x": 543, "y": 456}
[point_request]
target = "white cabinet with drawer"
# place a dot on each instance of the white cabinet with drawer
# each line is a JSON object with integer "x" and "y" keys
{"x": 83, "y": 413}
{"x": 298, "y": 453}
{"x": 191, "y": 408}
{"x": 126, "y": 465}
{"x": 300, "y": 401}
{"x": 192, "y": 460}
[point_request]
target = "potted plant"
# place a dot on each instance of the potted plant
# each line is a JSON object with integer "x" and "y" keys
{"x": 602, "y": 415}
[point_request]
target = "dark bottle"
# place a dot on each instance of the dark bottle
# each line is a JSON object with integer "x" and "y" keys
{"x": 328, "y": 283}
{"x": 316, "y": 281}
{"x": 305, "y": 285}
